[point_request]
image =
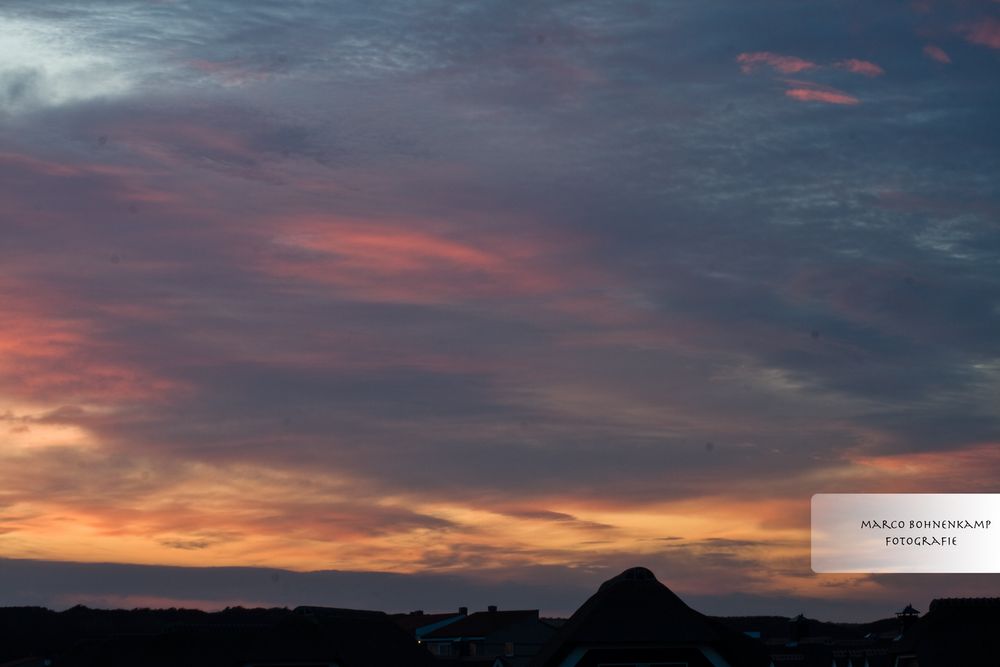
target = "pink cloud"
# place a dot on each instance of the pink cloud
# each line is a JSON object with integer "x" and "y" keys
{"x": 420, "y": 261}
{"x": 787, "y": 64}
{"x": 960, "y": 468}
{"x": 807, "y": 91}
{"x": 985, "y": 33}
{"x": 821, "y": 95}
{"x": 48, "y": 356}
{"x": 19, "y": 161}
{"x": 937, "y": 53}
{"x": 862, "y": 67}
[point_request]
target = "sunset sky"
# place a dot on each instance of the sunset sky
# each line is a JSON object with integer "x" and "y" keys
{"x": 485, "y": 302}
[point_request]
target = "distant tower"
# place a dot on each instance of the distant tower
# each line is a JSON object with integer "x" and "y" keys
{"x": 798, "y": 629}
{"x": 907, "y": 617}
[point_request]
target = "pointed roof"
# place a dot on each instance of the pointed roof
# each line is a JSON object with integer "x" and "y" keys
{"x": 635, "y": 609}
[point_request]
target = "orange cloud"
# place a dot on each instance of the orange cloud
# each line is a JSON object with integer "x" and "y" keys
{"x": 937, "y": 53}
{"x": 862, "y": 67}
{"x": 786, "y": 64}
{"x": 144, "y": 510}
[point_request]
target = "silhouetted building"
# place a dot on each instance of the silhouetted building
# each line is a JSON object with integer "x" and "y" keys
{"x": 805, "y": 642}
{"x": 955, "y": 632}
{"x": 417, "y": 623}
{"x": 798, "y": 629}
{"x": 634, "y": 620}
{"x": 514, "y": 636}
{"x": 907, "y": 617}
{"x": 307, "y": 637}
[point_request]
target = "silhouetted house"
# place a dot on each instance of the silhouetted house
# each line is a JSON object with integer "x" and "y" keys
{"x": 862, "y": 657}
{"x": 514, "y": 636}
{"x": 40, "y": 634}
{"x": 955, "y": 632}
{"x": 417, "y": 623}
{"x": 635, "y": 620}
{"x": 812, "y": 643}
{"x": 781, "y": 630}
{"x": 801, "y": 655}
{"x": 807, "y": 642}
{"x": 307, "y": 637}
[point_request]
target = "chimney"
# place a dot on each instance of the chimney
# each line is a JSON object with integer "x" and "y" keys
{"x": 492, "y": 609}
{"x": 464, "y": 611}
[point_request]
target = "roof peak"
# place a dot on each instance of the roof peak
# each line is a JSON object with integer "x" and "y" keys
{"x": 951, "y": 603}
{"x": 635, "y": 609}
{"x": 631, "y": 574}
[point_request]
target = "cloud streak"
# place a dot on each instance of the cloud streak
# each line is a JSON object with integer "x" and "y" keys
{"x": 781, "y": 63}
{"x": 863, "y": 67}
{"x": 804, "y": 94}
{"x": 937, "y": 53}
{"x": 808, "y": 91}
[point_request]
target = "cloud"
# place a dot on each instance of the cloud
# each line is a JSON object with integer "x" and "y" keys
{"x": 828, "y": 96}
{"x": 862, "y": 67}
{"x": 793, "y": 64}
{"x": 411, "y": 261}
{"x": 937, "y": 53}
{"x": 985, "y": 32}
{"x": 18, "y": 86}
{"x": 785, "y": 64}
{"x": 807, "y": 91}
{"x": 186, "y": 544}
{"x": 46, "y": 64}
{"x": 950, "y": 470}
